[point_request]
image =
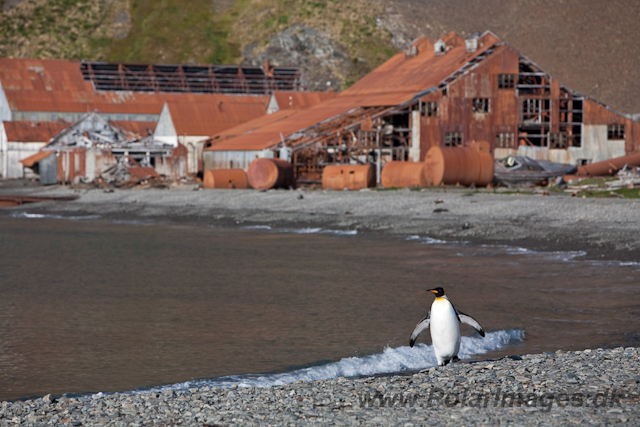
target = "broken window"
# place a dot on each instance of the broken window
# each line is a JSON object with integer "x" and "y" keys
{"x": 615, "y": 131}
{"x": 571, "y": 119}
{"x": 558, "y": 140}
{"x": 430, "y": 109}
{"x": 505, "y": 140}
{"x": 532, "y": 81}
{"x": 535, "y": 111}
{"x": 506, "y": 81}
{"x": 532, "y": 136}
{"x": 452, "y": 139}
{"x": 480, "y": 105}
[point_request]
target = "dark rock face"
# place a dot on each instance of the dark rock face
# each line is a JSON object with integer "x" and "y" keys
{"x": 324, "y": 62}
{"x": 10, "y": 4}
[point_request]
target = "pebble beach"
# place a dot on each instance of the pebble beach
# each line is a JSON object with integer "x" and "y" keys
{"x": 590, "y": 387}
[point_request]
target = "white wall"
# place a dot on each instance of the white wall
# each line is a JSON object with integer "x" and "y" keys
{"x": 18, "y": 151}
{"x": 5, "y": 109}
{"x": 595, "y": 148}
{"x": 165, "y": 130}
{"x": 232, "y": 159}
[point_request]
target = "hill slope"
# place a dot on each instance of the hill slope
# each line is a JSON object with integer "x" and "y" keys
{"x": 588, "y": 45}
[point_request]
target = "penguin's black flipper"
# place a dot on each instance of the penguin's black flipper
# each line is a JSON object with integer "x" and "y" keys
{"x": 421, "y": 326}
{"x": 468, "y": 320}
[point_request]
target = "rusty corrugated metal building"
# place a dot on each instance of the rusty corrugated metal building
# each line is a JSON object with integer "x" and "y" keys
{"x": 452, "y": 92}
{"x": 192, "y": 102}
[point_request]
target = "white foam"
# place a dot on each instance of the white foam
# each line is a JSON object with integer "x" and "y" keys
{"x": 391, "y": 360}
{"x": 340, "y": 232}
{"x": 427, "y": 240}
{"x": 300, "y": 230}
{"x": 317, "y": 230}
{"x": 40, "y": 216}
{"x": 257, "y": 227}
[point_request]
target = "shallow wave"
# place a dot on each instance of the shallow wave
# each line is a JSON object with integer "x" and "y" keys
{"x": 427, "y": 240}
{"x": 40, "y": 216}
{"x": 314, "y": 230}
{"x": 257, "y": 227}
{"x": 391, "y": 360}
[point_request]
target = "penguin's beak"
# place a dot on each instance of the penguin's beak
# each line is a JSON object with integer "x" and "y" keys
{"x": 435, "y": 291}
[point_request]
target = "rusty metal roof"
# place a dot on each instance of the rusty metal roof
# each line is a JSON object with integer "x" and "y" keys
{"x": 32, "y": 160}
{"x": 114, "y": 102}
{"x": 58, "y": 86}
{"x": 269, "y": 130}
{"x": 297, "y": 100}
{"x": 26, "y": 131}
{"x": 410, "y": 74}
{"x": 142, "y": 172}
{"x": 205, "y": 119}
{"x": 396, "y": 81}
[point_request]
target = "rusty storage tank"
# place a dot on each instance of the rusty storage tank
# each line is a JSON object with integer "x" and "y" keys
{"x": 403, "y": 174}
{"x": 264, "y": 174}
{"x": 351, "y": 177}
{"x": 609, "y": 167}
{"x": 225, "y": 178}
{"x": 458, "y": 165}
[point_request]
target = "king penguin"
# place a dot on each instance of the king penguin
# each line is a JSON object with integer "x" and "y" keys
{"x": 445, "y": 330}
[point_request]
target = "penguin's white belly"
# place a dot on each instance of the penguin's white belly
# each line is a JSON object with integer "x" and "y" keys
{"x": 445, "y": 330}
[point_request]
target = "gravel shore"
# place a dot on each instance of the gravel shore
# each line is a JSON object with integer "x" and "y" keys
{"x": 604, "y": 228}
{"x": 590, "y": 387}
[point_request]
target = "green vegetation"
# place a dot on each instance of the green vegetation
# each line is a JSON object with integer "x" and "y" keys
{"x": 172, "y": 31}
{"x": 626, "y": 193}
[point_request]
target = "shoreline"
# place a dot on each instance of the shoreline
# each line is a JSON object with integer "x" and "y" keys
{"x": 590, "y": 386}
{"x": 606, "y": 229}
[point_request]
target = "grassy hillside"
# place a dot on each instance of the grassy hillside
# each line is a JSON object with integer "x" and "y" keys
{"x": 173, "y": 31}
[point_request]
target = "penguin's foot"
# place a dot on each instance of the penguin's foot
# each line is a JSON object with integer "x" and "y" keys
{"x": 447, "y": 361}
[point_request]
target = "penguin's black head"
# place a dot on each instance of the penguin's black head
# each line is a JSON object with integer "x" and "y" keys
{"x": 438, "y": 291}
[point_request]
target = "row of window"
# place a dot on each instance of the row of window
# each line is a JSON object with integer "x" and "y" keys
{"x": 478, "y": 105}
{"x": 71, "y": 117}
{"x": 508, "y": 140}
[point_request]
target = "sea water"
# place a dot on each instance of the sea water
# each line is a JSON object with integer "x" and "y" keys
{"x": 88, "y": 305}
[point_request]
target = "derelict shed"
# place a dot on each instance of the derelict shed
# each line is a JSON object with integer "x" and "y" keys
{"x": 450, "y": 93}
{"x": 21, "y": 139}
{"x": 89, "y": 147}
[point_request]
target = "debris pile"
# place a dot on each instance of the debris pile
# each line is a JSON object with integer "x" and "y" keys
{"x": 628, "y": 177}
{"x": 93, "y": 150}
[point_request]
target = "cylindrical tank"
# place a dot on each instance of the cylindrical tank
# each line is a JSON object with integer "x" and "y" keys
{"x": 458, "y": 165}
{"x": 225, "y": 178}
{"x": 351, "y": 177}
{"x": 265, "y": 173}
{"x": 403, "y": 174}
{"x": 609, "y": 167}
